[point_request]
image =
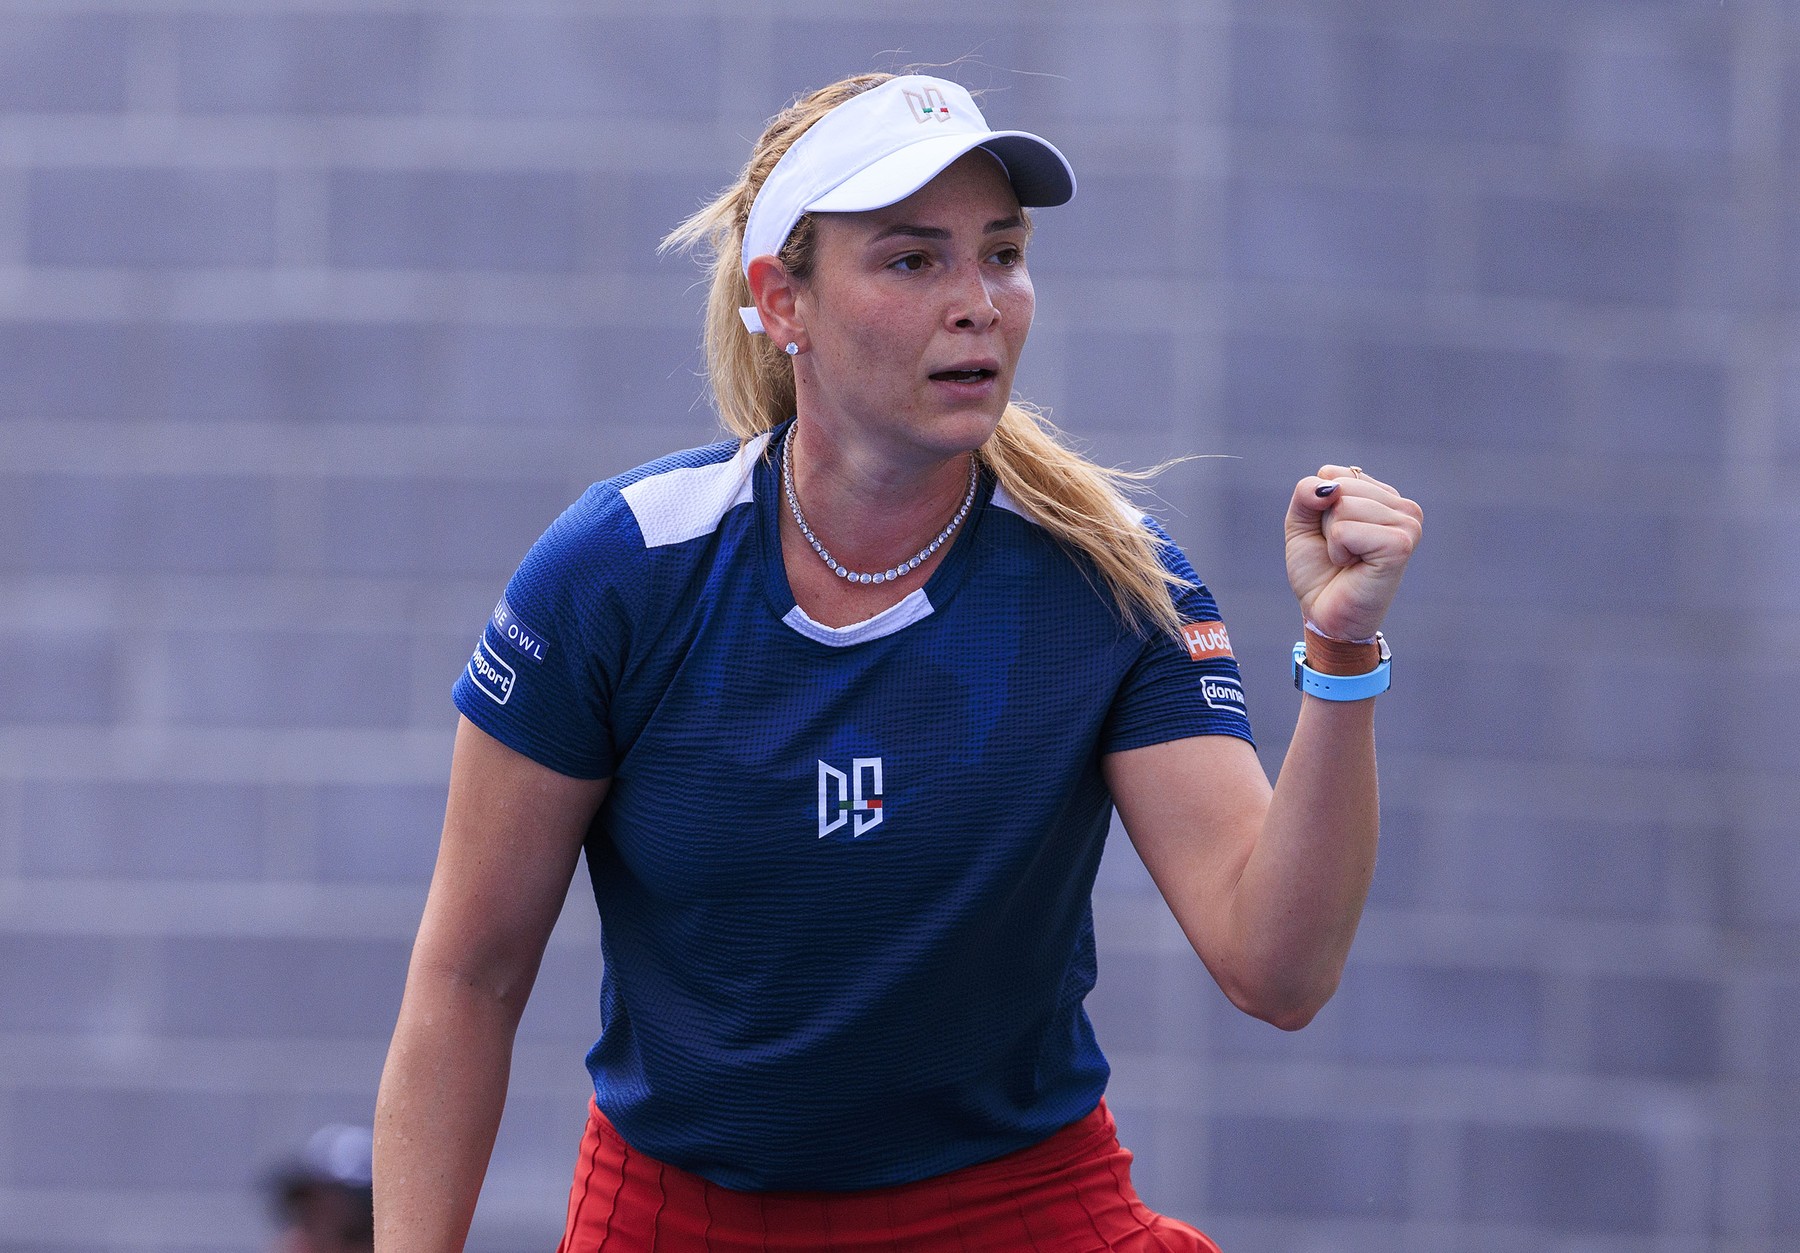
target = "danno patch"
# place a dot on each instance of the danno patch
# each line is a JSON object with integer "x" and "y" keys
{"x": 1223, "y": 693}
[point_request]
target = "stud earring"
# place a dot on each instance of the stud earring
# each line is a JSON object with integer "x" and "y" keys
{"x": 793, "y": 349}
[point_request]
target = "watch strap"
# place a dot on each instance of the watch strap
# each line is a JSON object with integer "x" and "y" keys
{"x": 1343, "y": 687}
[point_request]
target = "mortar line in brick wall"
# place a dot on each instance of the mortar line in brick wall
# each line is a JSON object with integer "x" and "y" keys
{"x": 133, "y": 909}
{"x": 11, "y": 832}
{"x": 144, "y": 701}
{"x": 200, "y": 1219}
{"x": 237, "y": 8}
{"x": 1474, "y": 318}
{"x": 13, "y": 230}
{"x": 280, "y": 298}
{"x": 136, "y": 908}
{"x": 1762, "y": 202}
{"x": 229, "y": 754}
{"x": 152, "y": 80}
{"x": 1434, "y": 1171}
{"x": 1685, "y": 1177}
{"x": 1747, "y": 1173}
{"x": 1442, "y": 1095}
{"x": 463, "y": 143}
{"x": 1466, "y": 939}
{"x": 425, "y": 605}
{"x": 1205, "y": 159}
{"x": 171, "y": 1062}
{"x": 296, "y": 451}
{"x": 290, "y": 833}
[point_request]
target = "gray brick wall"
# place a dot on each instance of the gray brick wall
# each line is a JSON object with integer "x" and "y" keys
{"x": 313, "y": 314}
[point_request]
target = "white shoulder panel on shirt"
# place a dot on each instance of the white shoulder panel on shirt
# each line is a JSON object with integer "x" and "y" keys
{"x": 1000, "y": 500}
{"x": 685, "y": 504}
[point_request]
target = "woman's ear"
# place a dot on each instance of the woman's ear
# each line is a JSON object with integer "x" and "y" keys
{"x": 776, "y": 295}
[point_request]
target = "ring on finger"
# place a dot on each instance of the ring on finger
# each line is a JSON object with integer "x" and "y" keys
{"x": 1357, "y": 471}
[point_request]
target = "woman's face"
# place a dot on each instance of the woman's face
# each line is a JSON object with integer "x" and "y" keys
{"x": 915, "y": 315}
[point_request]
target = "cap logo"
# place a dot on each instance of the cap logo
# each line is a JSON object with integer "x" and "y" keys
{"x": 928, "y": 105}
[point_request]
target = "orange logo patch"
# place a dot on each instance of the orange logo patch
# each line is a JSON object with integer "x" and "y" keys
{"x": 1206, "y": 640}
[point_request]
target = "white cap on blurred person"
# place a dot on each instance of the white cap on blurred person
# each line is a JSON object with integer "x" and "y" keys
{"x": 882, "y": 145}
{"x": 321, "y": 1198}
{"x": 339, "y": 1154}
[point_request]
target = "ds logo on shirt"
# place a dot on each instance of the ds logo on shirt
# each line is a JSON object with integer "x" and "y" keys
{"x": 855, "y": 795}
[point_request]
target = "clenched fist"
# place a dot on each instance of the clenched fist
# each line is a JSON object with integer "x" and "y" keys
{"x": 1349, "y": 537}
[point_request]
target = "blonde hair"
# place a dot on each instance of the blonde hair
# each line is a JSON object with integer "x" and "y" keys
{"x": 1084, "y": 506}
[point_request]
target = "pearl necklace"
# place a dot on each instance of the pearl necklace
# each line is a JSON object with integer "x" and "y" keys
{"x": 882, "y": 576}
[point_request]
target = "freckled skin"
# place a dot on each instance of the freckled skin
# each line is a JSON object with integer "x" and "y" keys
{"x": 883, "y": 312}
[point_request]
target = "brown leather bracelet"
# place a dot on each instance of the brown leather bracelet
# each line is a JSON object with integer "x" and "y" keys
{"x": 1329, "y": 656}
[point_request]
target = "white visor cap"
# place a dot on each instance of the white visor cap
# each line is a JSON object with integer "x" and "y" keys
{"x": 882, "y": 145}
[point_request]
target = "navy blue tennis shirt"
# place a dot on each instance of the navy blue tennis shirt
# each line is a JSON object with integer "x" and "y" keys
{"x": 843, "y": 874}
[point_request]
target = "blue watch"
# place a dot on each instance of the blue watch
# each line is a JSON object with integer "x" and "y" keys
{"x": 1342, "y": 686}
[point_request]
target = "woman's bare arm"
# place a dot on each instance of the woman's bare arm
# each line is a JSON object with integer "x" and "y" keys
{"x": 1269, "y": 888}
{"x": 512, "y": 833}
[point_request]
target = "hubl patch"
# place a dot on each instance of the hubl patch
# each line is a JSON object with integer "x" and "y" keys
{"x": 1206, "y": 640}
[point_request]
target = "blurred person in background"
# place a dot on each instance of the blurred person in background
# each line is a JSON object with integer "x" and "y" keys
{"x": 840, "y": 710}
{"x": 321, "y": 1200}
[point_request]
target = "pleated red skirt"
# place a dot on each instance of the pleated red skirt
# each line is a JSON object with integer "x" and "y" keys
{"x": 1070, "y": 1194}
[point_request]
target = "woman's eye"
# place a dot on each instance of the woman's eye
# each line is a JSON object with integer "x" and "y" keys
{"x": 911, "y": 263}
{"x": 1009, "y": 255}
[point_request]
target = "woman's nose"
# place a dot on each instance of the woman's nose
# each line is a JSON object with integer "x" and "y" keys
{"x": 974, "y": 308}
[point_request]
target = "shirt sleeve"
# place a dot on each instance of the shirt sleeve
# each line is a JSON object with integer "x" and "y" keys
{"x": 543, "y": 671}
{"x": 1177, "y": 688}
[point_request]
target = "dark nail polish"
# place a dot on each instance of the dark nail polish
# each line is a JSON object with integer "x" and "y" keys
{"x": 1326, "y": 490}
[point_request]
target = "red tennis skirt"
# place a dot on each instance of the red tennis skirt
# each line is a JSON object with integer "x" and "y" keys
{"x": 1071, "y": 1193}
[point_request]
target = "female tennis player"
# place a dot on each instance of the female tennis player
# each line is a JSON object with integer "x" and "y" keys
{"x": 839, "y": 710}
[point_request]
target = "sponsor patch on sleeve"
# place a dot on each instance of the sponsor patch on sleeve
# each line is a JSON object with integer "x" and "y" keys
{"x": 490, "y": 672}
{"x": 1206, "y": 640}
{"x": 509, "y": 627}
{"x": 1222, "y": 693}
